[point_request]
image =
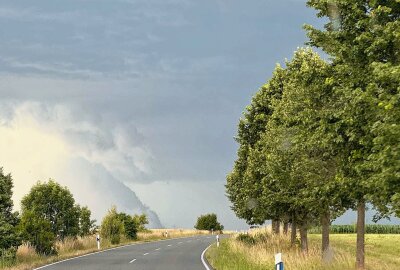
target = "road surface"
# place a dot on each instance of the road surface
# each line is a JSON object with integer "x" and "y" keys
{"x": 171, "y": 254}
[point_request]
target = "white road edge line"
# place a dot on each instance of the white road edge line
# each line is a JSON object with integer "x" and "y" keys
{"x": 146, "y": 254}
{"x": 203, "y": 260}
{"x": 157, "y": 249}
{"x": 105, "y": 250}
{"x": 132, "y": 261}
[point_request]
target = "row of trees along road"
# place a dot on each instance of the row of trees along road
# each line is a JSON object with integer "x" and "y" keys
{"x": 49, "y": 213}
{"x": 321, "y": 137}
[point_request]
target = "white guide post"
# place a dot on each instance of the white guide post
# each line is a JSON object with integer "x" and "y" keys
{"x": 98, "y": 241}
{"x": 278, "y": 261}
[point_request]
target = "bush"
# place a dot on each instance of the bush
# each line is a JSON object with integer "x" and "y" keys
{"x": 112, "y": 227}
{"x": 141, "y": 221}
{"x": 245, "y": 238}
{"x": 129, "y": 225}
{"x": 7, "y": 256}
{"x": 37, "y": 231}
{"x": 208, "y": 222}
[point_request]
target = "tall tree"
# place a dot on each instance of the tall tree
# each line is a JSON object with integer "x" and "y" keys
{"x": 9, "y": 237}
{"x": 245, "y": 192}
{"x": 359, "y": 35}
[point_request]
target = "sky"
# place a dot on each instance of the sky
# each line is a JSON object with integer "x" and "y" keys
{"x": 135, "y": 103}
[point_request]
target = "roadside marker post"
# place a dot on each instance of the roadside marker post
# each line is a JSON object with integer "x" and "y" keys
{"x": 98, "y": 241}
{"x": 217, "y": 240}
{"x": 278, "y": 261}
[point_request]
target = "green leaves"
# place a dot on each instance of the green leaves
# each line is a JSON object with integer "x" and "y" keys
{"x": 56, "y": 204}
{"x": 9, "y": 236}
{"x": 208, "y": 222}
{"x": 112, "y": 227}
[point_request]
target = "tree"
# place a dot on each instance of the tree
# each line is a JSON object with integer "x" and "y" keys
{"x": 9, "y": 237}
{"x": 54, "y": 203}
{"x": 244, "y": 192}
{"x": 130, "y": 226}
{"x": 360, "y": 36}
{"x": 37, "y": 230}
{"x": 140, "y": 222}
{"x": 301, "y": 120}
{"x": 112, "y": 227}
{"x": 208, "y": 222}
{"x": 86, "y": 225}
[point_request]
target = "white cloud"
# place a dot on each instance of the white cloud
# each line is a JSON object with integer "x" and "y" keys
{"x": 41, "y": 141}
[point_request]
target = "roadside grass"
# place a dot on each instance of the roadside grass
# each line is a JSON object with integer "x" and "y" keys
{"x": 27, "y": 258}
{"x": 382, "y": 252}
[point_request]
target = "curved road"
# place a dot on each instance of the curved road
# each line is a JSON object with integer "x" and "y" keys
{"x": 171, "y": 254}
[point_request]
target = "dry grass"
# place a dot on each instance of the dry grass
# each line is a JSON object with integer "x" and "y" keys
{"x": 172, "y": 233}
{"x": 381, "y": 253}
{"x": 27, "y": 258}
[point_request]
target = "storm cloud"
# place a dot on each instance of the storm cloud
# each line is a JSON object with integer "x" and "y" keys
{"x": 135, "y": 102}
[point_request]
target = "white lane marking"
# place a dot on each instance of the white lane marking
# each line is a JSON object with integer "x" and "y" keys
{"x": 180, "y": 243}
{"x": 169, "y": 245}
{"x": 157, "y": 249}
{"x": 146, "y": 254}
{"x": 202, "y": 258}
{"x": 132, "y": 261}
{"x": 105, "y": 250}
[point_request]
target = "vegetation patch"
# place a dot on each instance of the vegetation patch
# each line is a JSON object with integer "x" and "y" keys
{"x": 252, "y": 252}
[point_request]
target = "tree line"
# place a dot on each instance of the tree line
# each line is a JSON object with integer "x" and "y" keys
{"x": 323, "y": 135}
{"x": 49, "y": 213}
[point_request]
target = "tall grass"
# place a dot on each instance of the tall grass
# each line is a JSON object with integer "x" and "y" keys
{"x": 257, "y": 250}
{"x": 171, "y": 233}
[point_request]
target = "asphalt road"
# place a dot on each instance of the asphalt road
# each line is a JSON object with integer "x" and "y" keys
{"x": 171, "y": 254}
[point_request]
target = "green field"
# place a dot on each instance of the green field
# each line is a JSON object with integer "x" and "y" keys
{"x": 382, "y": 253}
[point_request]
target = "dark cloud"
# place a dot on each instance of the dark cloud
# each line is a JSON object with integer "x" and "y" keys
{"x": 163, "y": 80}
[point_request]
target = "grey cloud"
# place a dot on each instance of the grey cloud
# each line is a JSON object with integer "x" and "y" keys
{"x": 163, "y": 80}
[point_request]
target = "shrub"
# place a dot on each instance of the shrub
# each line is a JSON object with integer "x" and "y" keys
{"x": 7, "y": 256}
{"x": 37, "y": 231}
{"x": 141, "y": 221}
{"x": 245, "y": 238}
{"x": 112, "y": 227}
{"x": 129, "y": 225}
{"x": 208, "y": 222}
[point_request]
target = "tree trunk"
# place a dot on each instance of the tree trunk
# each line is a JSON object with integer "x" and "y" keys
{"x": 275, "y": 226}
{"x": 360, "y": 257}
{"x": 285, "y": 227}
{"x": 325, "y": 222}
{"x": 293, "y": 233}
{"x": 278, "y": 227}
{"x": 304, "y": 238}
